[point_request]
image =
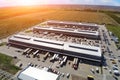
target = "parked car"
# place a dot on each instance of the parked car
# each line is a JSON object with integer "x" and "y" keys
{"x": 116, "y": 72}
{"x": 92, "y": 70}
{"x": 97, "y": 69}
{"x": 118, "y": 60}
{"x": 57, "y": 66}
{"x": 110, "y": 71}
{"x": 116, "y": 65}
{"x": 63, "y": 74}
{"x": 114, "y": 62}
{"x": 115, "y": 68}
{"x": 68, "y": 75}
{"x": 90, "y": 77}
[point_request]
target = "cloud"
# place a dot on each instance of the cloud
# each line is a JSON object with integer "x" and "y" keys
{"x": 106, "y": 0}
{"x": 88, "y": 2}
{"x": 110, "y": 2}
{"x": 98, "y": 2}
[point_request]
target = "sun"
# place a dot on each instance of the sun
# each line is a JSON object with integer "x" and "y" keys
{"x": 27, "y": 2}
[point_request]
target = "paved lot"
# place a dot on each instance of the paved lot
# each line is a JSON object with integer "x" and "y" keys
{"x": 83, "y": 69}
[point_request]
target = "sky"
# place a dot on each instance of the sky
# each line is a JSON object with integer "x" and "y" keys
{"x": 41, "y": 2}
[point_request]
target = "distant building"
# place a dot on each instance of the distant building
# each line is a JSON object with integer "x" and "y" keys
{"x": 64, "y": 23}
{"x": 88, "y": 30}
{"x": 71, "y": 32}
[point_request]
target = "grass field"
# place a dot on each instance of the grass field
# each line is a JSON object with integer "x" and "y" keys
{"x": 116, "y": 30}
{"x": 16, "y": 19}
{"x": 6, "y": 64}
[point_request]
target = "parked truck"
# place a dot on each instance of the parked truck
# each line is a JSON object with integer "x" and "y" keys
{"x": 35, "y": 53}
{"x": 24, "y": 52}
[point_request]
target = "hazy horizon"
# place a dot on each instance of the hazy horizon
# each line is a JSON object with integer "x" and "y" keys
{"x": 4, "y": 3}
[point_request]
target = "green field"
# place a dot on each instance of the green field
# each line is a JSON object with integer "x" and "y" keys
{"x": 116, "y": 31}
{"x": 6, "y": 64}
{"x": 16, "y": 19}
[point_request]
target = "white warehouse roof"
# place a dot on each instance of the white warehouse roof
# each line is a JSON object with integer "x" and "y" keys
{"x": 72, "y": 47}
{"x": 32, "y": 73}
{"x": 68, "y": 30}
{"x": 73, "y": 23}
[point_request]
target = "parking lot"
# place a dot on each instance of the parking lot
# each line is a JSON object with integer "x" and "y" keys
{"x": 83, "y": 69}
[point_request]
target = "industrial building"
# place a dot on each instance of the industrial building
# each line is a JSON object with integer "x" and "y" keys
{"x": 88, "y": 52}
{"x": 70, "y": 24}
{"x": 69, "y": 31}
{"x": 32, "y": 73}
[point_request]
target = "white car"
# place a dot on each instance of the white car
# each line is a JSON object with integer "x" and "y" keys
{"x": 57, "y": 66}
{"x": 68, "y": 75}
{"x": 116, "y": 72}
{"x": 63, "y": 74}
{"x": 97, "y": 69}
{"x": 115, "y": 68}
{"x": 110, "y": 71}
{"x": 92, "y": 70}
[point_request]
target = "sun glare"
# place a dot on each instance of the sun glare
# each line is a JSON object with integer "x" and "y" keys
{"x": 27, "y": 2}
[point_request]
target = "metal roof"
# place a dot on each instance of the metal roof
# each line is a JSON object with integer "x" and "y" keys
{"x": 73, "y": 23}
{"x": 68, "y": 30}
{"x": 32, "y": 73}
{"x": 78, "y": 48}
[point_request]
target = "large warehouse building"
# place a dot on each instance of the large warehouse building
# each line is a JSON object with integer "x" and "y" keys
{"x": 88, "y": 52}
{"x": 69, "y": 31}
{"x": 66, "y": 23}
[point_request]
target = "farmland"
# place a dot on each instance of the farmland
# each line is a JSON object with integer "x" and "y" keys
{"x": 115, "y": 17}
{"x": 16, "y": 19}
{"x": 118, "y": 15}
